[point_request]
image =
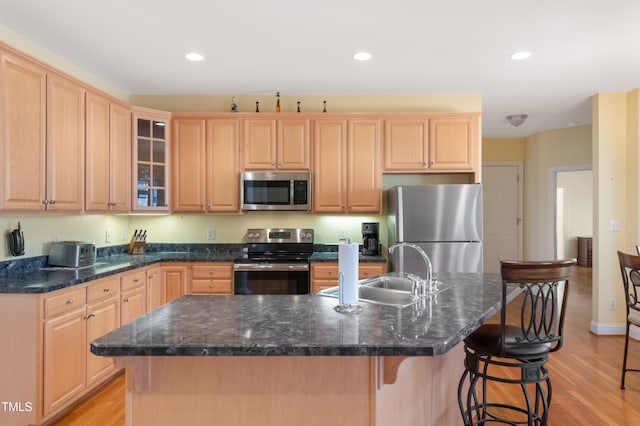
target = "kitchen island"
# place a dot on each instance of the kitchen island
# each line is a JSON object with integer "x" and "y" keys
{"x": 291, "y": 360}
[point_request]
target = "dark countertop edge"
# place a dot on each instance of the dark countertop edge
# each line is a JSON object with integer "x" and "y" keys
{"x": 251, "y": 351}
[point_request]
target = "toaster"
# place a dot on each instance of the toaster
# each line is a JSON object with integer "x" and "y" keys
{"x": 74, "y": 254}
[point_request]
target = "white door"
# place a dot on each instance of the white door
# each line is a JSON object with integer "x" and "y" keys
{"x": 501, "y": 198}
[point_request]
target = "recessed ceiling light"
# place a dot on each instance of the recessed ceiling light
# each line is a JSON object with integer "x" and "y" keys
{"x": 193, "y": 56}
{"x": 362, "y": 56}
{"x": 520, "y": 55}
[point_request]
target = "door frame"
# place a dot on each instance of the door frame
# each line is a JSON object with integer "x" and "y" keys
{"x": 520, "y": 218}
{"x": 551, "y": 214}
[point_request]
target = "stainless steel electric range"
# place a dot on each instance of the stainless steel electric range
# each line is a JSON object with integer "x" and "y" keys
{"x": 277, "y": 262}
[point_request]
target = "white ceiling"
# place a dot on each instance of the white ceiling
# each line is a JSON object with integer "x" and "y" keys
{"x": 580, "y": 47}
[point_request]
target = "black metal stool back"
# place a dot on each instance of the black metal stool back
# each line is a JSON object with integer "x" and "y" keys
{"x": 515, "y": 351}
{"x": 630, "y": 270}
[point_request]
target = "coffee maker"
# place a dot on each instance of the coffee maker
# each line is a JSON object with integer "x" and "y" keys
{"x": 370, "y": 239}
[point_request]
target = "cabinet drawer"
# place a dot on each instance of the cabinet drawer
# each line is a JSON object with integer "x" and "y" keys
{"x": 325, "y": 272}
{"x": 66, "y": 301}
{"x": 134, "y": 279}
{"x": 370, "y": 270}
{"x": 211, "y": 286}
{"x": 211, "y": 271}
{"x": 103, "y": 288}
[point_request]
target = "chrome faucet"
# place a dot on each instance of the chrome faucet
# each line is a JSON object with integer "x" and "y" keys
{"x": 420, "y": 286}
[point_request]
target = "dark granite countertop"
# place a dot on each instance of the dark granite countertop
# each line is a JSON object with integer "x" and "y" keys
{"x": 308, "y": 325}
{"x": 45, "y": 279}
{"x": 33, "y": 276}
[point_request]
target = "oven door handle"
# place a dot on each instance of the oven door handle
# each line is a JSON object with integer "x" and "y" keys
{"x": 271, "y": 267}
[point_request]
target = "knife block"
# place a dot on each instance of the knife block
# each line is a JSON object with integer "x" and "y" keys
{"x": 136, "y": 246}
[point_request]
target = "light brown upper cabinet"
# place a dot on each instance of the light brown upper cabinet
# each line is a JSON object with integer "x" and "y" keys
{"x": 42, "y": 146}
{"x": 346, "y": 172}
{"x": 65, "y": 145}
{"x": 23, "y": 95}
{"x": 438, "y": 143}
{"x": 188, "y": 164}
{"x": 206, "y": 165}
{"x": 406, "y": 144}
{"x": 151, "y": 152}
{"x": 276, "y": 144}
{"x": 453, "y": 142}
{"x": 108, "y": 155}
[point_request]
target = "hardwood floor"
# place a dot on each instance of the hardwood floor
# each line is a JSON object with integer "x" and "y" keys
{"x": 585, "y": 374}
{"x": 104, "y": 408}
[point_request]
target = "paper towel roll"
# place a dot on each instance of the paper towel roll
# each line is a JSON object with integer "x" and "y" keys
{"x": 348, "y": 273}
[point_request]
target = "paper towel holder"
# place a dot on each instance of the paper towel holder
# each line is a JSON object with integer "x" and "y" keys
{"x": 345, "y": 308}
{"x": 348, "y": 308}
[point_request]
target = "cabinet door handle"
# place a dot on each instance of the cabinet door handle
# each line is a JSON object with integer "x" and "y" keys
{"x": 135, "y": 280}
{"x": 106, "y": 289}
{"x": 70, "y": 302}
{"x": 53, "y": 201}
{"x": 210, "y": 285}
{"x": 91, "y": 315}
{"x": 125, "y": 300}
{"x": 210, "y": 272}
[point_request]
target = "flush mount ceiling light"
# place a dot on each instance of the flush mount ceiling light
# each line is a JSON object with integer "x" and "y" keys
{"x": 518, "y": 56}
{"x": 193, "y": 56}
{"x": 516, "y": 119}
{"x": 362, "y": 56}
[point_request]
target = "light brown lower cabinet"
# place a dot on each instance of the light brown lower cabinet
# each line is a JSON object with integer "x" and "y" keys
{"x": 155, "y": 288}
{"x": 174, "y": 277}
{"x": 134, "y": 295}
{"x": 325, "y": 274}
{"x": 211, "y": 278}
{"x": 73, "y": 318}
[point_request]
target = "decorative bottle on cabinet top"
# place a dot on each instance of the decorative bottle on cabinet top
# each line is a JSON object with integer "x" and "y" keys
{"x": 277, "y": 101}
{"x": 234, "y": 105}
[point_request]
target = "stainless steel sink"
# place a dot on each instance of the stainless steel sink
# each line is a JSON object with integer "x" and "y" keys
{"x": 393, "y": 282}
{"x": 390, "y": 289}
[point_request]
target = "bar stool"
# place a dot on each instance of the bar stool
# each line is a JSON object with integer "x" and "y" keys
{"x": 512, "y": 355}
{"x": 630, "y": 270}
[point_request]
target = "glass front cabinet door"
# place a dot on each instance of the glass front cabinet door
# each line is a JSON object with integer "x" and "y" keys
{"x": 151, "y": 175}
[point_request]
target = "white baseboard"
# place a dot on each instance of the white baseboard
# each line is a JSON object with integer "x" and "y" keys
{"x": 614, "y": 329}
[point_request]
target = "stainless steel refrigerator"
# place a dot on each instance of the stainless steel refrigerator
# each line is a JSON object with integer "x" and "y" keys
{"x": 444, "y": 220}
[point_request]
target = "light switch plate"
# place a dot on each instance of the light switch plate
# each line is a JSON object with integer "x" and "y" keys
{"x": 614, "y": 225}
{"x": 211, "y": 234}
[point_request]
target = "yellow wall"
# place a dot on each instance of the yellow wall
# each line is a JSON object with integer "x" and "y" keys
{"x": 503, "y": 149}
{"x": 610, "y": 152}
{"x": 544, "y": 151}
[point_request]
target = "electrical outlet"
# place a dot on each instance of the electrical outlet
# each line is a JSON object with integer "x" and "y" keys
{"x": 123, "y": 234}
{"x": 612, "y": 304}
{"x": 55, "y": 238}
{"x": 107, "y": 236}
{"x": 211, "y": 234}
{"x": 342, "y": 234}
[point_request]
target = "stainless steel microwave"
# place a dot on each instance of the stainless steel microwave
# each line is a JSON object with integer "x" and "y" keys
{"x": 275, "y": 191}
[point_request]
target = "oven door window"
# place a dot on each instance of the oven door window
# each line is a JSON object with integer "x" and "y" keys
{"x": 271, "y": 282}
{"x": 267, "y": 192}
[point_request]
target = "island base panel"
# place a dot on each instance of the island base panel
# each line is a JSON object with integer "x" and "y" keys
{"x": 283, "y": 391}
{"x": 248, "y": 390}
